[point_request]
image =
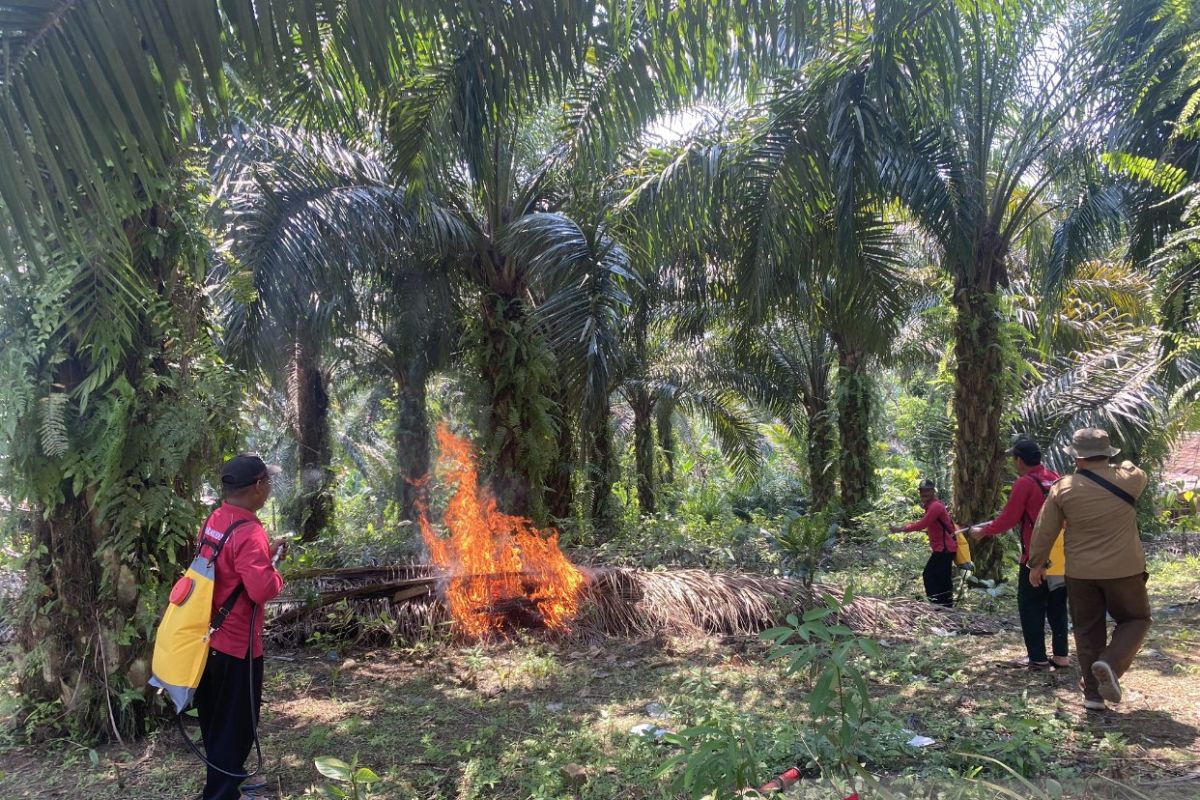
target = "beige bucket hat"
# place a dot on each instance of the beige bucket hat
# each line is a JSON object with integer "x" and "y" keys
{"x": 1090, "y": 443}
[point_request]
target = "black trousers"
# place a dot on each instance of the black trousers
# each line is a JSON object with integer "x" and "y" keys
{"x": 939, "y": 578}
{"x": 1037, "y": 606}
{"x": 228, "y": 690}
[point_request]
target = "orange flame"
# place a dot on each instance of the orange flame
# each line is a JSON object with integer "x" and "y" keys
{"x": 493, "y": 557}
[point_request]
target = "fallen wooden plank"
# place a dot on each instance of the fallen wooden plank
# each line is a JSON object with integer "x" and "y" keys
{"x": 376, "y": 589}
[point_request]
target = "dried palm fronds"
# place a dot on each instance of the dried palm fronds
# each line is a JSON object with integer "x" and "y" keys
{"x": 402, "y": 603}
{"x": 635, "y": 602}
{"x": 379, "y": 604}
{"x": 376, "y": 621}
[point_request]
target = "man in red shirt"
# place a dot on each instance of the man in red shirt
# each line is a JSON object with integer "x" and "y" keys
{"x": 939, "y": 569}
{"x": 1035, "y": 605}
{"x": 230, "y": 692}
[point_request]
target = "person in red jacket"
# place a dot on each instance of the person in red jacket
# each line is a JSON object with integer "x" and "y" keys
{"x": 939, "y": 569}
{"x": 1035, "y": 605}
{"x": 230, "y": 692}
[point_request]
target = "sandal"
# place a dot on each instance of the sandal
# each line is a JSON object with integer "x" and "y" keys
{"x": 1025, "y": 663}
{"x": 1060, "y": 662}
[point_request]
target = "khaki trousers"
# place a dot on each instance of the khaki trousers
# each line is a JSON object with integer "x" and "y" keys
{"x": 1126, "y": 601}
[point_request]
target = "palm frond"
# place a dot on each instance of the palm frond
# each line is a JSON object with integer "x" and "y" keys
{"x": 1114, "y": 388}
{"x": 304, "y": 218}
{"x": 584, "y": 277}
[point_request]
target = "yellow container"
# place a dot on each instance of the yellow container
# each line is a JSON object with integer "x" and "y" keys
{"x": 963, "y": 554}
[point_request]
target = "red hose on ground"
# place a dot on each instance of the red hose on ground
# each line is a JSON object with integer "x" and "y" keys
{"x": 786, "y": 779}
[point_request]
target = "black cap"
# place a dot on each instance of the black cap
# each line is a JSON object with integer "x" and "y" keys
{"x": 244, "y": 470}
{"x": 927, "y": 484}
{"x": 1027, "y": 450}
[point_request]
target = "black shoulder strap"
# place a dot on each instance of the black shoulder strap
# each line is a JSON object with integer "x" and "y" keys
{"x": 946, "y": 537}
{"x": 1045, "y": 493}
{"x": 216, "y": 549}
{"x": 226, "y": 607}
{"x": 1044, "y": 488}
{"x": 1107, "y": 484}
{"x": 1025, "y": 511}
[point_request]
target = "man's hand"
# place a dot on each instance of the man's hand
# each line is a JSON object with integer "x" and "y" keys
{"x": 279, "y": 549}
{"x": 1036, "y": 576}
{"x": 976, "y": 532}
{"x": 894, "y": 529}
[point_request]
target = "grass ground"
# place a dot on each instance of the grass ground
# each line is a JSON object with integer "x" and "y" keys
{"x": 538, "y": 719}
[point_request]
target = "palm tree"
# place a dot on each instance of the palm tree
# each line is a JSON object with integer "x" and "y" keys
{"x": 1152, "y": 77}
{"x": 669, "y": 373}
{"x": 339, "y": 256}
{"x": 804, "y": 245}
{"x": 788, "y": 367}
{"x": 117, "y": 407}
{"x": 460, "y": 122}
{"x": 293, "y": 211}
{"x": 99, "y": 104}
{"x": 970, "y": 117}
{"x": 1097, "y": 360}
{"x": 412, "y": 328}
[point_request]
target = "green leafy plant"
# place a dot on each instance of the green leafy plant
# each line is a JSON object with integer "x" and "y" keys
{"x": 832, "y": 656}
{"x": 713, "y": 758}
{"x": 802, "y": 542}
{"x": 361, "y": 779}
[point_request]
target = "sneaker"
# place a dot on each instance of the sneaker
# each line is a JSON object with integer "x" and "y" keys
{"x": 1095, "y": 705}
{"x": 1110, "y": 689}
{"x": 254, "y": 791}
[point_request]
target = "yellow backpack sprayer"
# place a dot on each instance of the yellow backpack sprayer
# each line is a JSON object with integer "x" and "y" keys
{"x": 181, "y": 641}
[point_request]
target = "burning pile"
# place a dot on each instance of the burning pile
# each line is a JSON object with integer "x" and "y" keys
{"x": 502, "y": 570}
{"x": 495, "y": 573}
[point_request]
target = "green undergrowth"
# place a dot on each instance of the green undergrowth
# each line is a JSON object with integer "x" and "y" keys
{"x": 547, "y": 720}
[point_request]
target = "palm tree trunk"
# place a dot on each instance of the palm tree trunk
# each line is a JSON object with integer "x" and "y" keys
{"x": 314, "y": 504}
{"x": 601, "y": 475}
{"x": 411, "y": 438}
{"x": 666, "y": 442}
{"x": 820, "y": 450}
{"x": 978, "y": 405}
{"x": 560, "y": 485}
{"x": 520, "y": 440}
{"x": 856, "y": 462}
{"x": 63, "y": 579}
{"x": 643, "y": 449}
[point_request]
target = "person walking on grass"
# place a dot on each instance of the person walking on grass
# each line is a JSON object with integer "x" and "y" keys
{"x": 1048, "y": 602}
{"x": 1106, "y": 566}
{"x": 938, "y": 575}
{"x": 229, "y": 696}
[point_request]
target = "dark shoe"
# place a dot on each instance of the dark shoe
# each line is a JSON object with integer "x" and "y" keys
{"x": 1110, "y": 688}
{"x": 1025, "y": 663}
{"x": 1060, "y": 662}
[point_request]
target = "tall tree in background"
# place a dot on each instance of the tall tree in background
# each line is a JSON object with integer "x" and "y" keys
{"x": 973, "y": 116}
{"x": 327, "y": 234}
{"x": 117, "y": 407}
{"x": 788, "y": 366}
{"x": 803, "y": 243}
{"x": 294, "y": 211}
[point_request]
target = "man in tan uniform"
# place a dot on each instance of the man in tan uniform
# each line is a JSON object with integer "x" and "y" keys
{"x": 1106, "y": 568}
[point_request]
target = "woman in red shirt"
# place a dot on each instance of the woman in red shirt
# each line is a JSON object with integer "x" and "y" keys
{"x": 939, "y": 569}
